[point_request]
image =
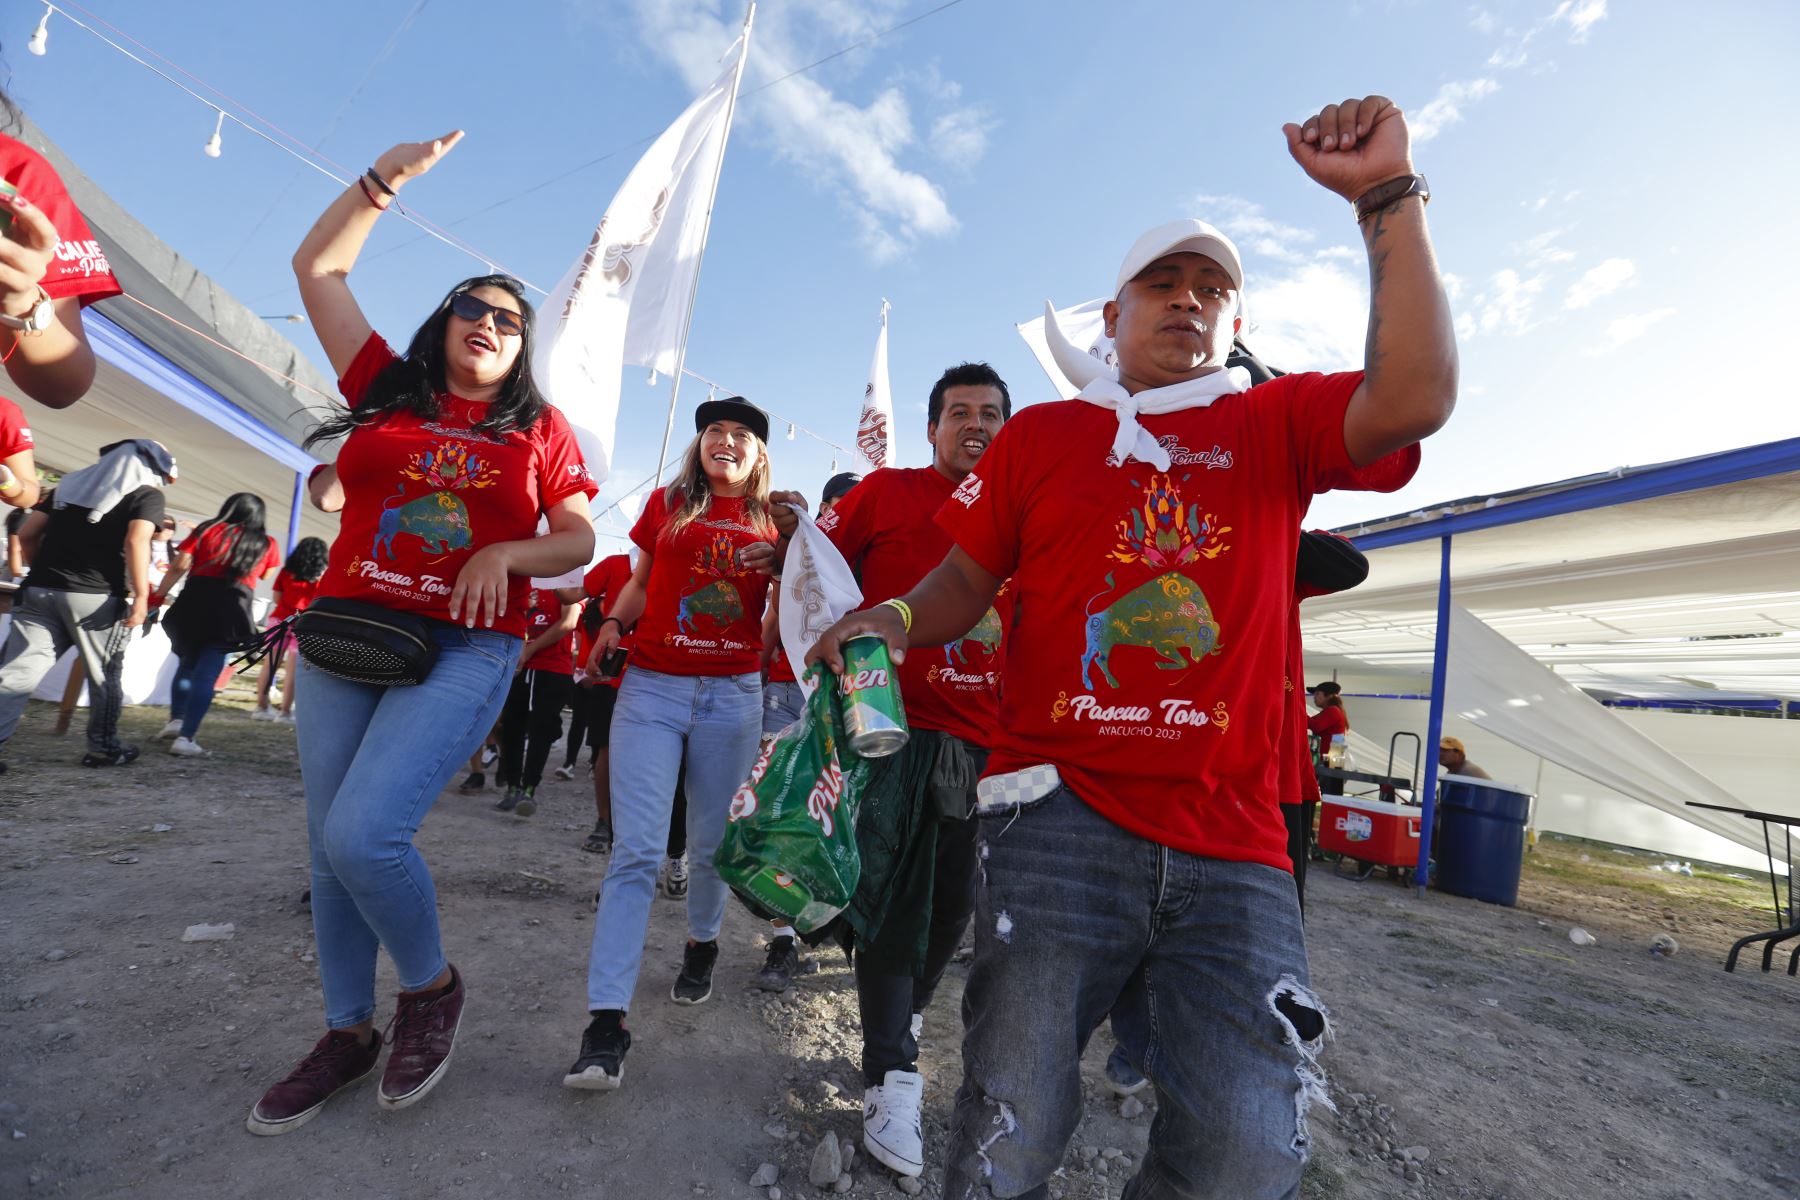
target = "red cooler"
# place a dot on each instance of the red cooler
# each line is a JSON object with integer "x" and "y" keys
{"x": 1373, "y": 831}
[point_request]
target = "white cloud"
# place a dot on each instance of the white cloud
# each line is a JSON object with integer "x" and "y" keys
{"x": 1508, "y": 306}
{"x": 1541, "y": 250}
{"x": 1253, "y": 230}
{"x": 1599, "y": 281}
{"x": 1580, "y": 16}
{"x": 1483, "y": 21}
{"x": 854, "y": 150}
{"x": 1629, "y": 329}
{"x": 1446, "y": 108}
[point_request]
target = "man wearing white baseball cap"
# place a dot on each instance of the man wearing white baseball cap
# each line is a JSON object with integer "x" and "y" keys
{"x": 1133, "y": 852}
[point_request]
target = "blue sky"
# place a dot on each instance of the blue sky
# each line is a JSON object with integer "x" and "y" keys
{"x": 1613, "y": 187}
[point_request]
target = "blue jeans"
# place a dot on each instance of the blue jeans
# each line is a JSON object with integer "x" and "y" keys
{"x": 373, "y": 760}
{"x": 781, "y": 704}
{"x": 1202, "y": 964}
{"x": 191, "y": 691}
{"x": 712, "y": 720}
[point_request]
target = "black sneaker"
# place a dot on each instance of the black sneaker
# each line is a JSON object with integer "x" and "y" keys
{"x": 527, "y": 802}
{"x": 509, "y": 801}
{"x": 599, "y": 841}
{"x": 601, "y": 1067}
{"x": 474, "y": 783}
{"x": 694, "y": 984}
{"x": 110, "y": 758}
{"x": 780, "y": 967}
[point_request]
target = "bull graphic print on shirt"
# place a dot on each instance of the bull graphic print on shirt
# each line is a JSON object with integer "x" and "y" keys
{"x": 1168, "y": 613}
{"x": 439, "y": 519}
{"x": 711, "y": 592}
{"x": 985, "y": 636}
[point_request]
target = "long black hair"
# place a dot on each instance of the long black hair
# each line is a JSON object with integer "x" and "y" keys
{"x": 246, "y": 541}
{"x": 308, "y": 559}
{"x": 416, "y": 381}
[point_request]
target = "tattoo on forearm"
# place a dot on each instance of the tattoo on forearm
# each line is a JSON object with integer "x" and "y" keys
{"x": 1377, "y": 268}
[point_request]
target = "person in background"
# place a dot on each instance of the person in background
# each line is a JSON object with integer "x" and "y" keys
{"x": 1454, "y": 759}
{"x": 15, "y": 549}
{"x": 89, "y": 586}
{"x": 51, "y": 267}
{"x": 162, "y": 547}
{"x": 598, "y": 689}
{"x": 294, "y": 589}
{"x": 451, "y": 457}
{"x": 532, "y": 718}
{"x": 1331, "y": 719}
{"x": 782, "y": 697}
{"x": 222, "y": 560}
{"x": 693, "y": 695}
{"x": 18, "y": 468}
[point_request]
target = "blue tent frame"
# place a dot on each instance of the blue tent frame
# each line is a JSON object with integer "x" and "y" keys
{"x": 1664, "y": 479}
{"x": 120, "y": 349}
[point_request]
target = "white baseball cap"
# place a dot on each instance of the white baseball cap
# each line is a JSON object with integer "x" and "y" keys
{"x": 1190, "y": 235}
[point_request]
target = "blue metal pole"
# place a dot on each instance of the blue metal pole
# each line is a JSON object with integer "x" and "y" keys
{"x": 294, "y": 512}
{"x": 1434, "y": 729}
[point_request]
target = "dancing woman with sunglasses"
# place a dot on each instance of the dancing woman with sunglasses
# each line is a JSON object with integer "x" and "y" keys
{"x": 450, "y": 456}
{"x": 692, "y": 695}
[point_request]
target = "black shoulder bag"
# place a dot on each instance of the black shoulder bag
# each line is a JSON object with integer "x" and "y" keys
{"x": 366, "y": 643}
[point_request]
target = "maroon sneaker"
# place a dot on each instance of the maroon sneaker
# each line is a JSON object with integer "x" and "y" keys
{"x": 423, "y": 1032}
{"x": 338, "y": 1061}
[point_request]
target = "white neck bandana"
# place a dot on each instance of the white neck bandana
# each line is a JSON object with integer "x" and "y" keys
{"x": 1100, "y": 385}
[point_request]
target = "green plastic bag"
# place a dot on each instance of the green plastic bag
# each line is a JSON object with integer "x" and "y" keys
{"x": 789, "y": 850}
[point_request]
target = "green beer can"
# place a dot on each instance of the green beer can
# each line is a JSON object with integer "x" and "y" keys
{"x": 869, "y": 693}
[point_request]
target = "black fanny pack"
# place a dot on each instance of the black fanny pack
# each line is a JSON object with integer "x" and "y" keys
{"x": 366, "y": 643}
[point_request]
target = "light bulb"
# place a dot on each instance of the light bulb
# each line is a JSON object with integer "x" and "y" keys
{"x": 215, "y": 143}
{"x": 790, "y": 431}
{"x": 40, "y": 36}
{"x": 834, "y": 466}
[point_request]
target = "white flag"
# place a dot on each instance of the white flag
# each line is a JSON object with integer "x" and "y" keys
{"x": 626, "y": 298}
{"x": 818, "y": 589}
{"x": 1085, "y": 327}
{"x": 875, "y": 427}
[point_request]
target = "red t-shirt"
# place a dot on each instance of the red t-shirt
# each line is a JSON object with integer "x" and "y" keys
{"x": 542, "y": 610}
{"x": 292, "y": 595}
{"x": 420, "y": 497}
{"x": 703, "y": 614}
{"x": 1328, "y": 721}
{"x": 780, "y": 669}
{"x": 604, "y": 581}
{"x": 79, "y": 267}
{"x": 210, "y": 549}
{"x": 884, "y": 529}
{"x": 15, "y": 434}
{"x": 1154, "y": 607}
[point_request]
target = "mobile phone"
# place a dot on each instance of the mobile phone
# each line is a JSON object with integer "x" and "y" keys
{"x": 612, "y": 663}
{"x": 7, "y": 192}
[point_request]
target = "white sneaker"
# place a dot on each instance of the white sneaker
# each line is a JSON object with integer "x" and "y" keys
{"x": 918, "y": 1027}
{"x": 891, "y": 1130}
{"x": 172, "y": 729}
{"x": 284, "y": 718}
{"x": 565, "y": 772}
{"x": 264, "y": 714}
{"x": 186, "y": 748}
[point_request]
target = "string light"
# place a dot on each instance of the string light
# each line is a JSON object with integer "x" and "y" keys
{"x": 40, "y": 37}
{"x": 790, "y": 431}
{"x": 834, "y": 466}
{"x": 215, "y": 142}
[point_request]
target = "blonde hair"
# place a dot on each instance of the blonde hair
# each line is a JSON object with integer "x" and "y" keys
{"x": 691, "y": 494}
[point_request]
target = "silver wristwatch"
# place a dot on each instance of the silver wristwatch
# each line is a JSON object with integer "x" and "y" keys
{"x": 37, "y": 318}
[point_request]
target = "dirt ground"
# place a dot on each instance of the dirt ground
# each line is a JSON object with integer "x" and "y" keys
{"x": 1478, "y": 1052}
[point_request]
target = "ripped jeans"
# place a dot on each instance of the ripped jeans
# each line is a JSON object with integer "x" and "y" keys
{"x": 1202, "y": 964}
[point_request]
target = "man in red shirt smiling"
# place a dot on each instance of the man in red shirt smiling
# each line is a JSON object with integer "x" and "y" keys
{"x": 1133, "y": 853}
{"x": 885, "y": 531}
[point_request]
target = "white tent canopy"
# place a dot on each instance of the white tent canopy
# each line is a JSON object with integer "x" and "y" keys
{"x": 1690, "y": 595}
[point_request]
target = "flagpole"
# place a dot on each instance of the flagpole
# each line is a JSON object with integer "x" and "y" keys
{"x": 712, "y": 196}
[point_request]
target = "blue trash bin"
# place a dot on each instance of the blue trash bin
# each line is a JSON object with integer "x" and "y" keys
{"x": 1481, "y": 838}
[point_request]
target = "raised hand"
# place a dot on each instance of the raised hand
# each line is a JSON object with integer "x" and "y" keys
{"x": 1351, "y": 147}
{"x": 409, "y": 160}
{"x": 25, "y": 254}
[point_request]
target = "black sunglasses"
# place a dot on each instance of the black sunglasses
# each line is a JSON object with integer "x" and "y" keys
{"x": 471, "y": 308}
